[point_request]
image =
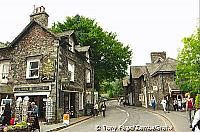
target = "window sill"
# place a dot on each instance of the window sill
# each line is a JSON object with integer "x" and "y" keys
{"x": 30, "y": 78}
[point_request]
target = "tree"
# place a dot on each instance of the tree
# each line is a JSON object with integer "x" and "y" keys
{"x": 113, "y": 89}
{"x": 188, "y": 68}
{"x": 108, "y": 56}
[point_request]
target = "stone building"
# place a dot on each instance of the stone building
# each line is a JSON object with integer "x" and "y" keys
{"x": 41, "y": 64}
{"x": 154, "y": 79}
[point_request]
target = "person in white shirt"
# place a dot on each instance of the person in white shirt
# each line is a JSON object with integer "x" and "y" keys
{"x": 196, "y": 121}
{"x": 164, "y": 104}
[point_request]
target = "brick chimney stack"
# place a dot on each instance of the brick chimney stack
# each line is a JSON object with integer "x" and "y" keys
{"x": 40, "y": 16}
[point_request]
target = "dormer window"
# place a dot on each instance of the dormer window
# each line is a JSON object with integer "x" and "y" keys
{"x": 87, "y": 56}
{"x": 88, "y": 76}
{"x": 4, "y": 70}
{"x": 71, "y": 70}
{"x": 32, "y": 70}
{"x": 71, "y": 43}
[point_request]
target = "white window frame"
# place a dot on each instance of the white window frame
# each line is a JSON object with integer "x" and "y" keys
{"x": 4, "y": 71}
{"x": 71, "y": 42}
{"x": 28, "y": 68}
{"x": 88, "y": 76}
{"x": 87, "y": 56}
{"x": 71, "y": 69}
{"x": 80, "y": 100}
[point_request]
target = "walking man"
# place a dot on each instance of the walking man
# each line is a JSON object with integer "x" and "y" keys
{"x": 103, "y": 108}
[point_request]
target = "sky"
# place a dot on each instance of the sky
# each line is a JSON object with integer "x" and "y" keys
{"x": 145, "y": 25}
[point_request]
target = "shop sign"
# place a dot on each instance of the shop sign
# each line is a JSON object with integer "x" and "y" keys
{"x": 38, "y": 88}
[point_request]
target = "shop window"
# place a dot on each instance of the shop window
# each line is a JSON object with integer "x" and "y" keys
{"x": 80, "y": 101}
{"x": 32, "y": 68}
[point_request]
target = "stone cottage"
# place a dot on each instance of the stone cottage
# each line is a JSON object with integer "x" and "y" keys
{"x": 154, "y": 79}
{"x": 43, "y": 65}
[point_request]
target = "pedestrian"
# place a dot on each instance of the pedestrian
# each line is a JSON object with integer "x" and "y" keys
{"x": 153, "y": 103}
{"x": 35, "y": 110}
{"x": 103, "y": 108}
{"x": 196, "y": 121}
{"x": 164, "y": 103}
{"x": 96, "y": 108}
{"x": 6, "y": 115}
{"x": 189, "y": 108}
{"x": 175, "y": 104}
{"x": 167, "y": 105}
{"x": 183, "y": 103}
{"x": 179, "y": 104}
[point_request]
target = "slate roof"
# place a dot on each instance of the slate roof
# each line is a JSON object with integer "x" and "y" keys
{"x": 82, "y": 48}
{"x": 2, "y": 45}
{"x": 169, "y": 65}
{"x": 66, "y": 33}
{"x": 137, "y": 71}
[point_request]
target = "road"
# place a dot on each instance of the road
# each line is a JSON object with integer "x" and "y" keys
{"x": 122, "y": 119}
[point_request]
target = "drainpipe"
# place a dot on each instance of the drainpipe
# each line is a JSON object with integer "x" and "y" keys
{"x": 57, "y": 66}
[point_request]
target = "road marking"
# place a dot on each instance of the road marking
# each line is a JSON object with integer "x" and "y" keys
{"x": 126, "y": 117}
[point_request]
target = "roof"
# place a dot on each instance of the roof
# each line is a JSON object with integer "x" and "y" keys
{"x": 169, "y": 65}
{"x": 66, "y": 33}
{"x": 82, "y": 48}
{"x": 137, "y": 71}
{"x": 2, "y": 45}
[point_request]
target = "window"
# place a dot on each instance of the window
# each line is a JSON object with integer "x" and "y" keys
{"x": 4, "y": 70}
{"x": 71, "y": 70}
{"x": 32, "y": 68}
{"x": 80, "y": 101}
{"x": 87, "y": 56}
{"x": 87, "y": 76}
{"x": 71, "y": 42}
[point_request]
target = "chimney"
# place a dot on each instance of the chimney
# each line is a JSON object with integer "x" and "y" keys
{"x": 40, "y": 16}
{"x": 157, "y": 57}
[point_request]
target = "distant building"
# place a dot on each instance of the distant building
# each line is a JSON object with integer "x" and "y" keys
{"x": 154, "y": 79}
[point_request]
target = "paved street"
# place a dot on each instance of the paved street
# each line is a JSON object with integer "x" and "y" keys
{"x": 119, "y": 118}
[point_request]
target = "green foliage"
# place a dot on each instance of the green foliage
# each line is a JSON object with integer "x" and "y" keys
{"x": 188, "y": 68}
{"x": 109, "y": 57}
{"x": 197, "y": 101}
{"x": 114, "y": 88}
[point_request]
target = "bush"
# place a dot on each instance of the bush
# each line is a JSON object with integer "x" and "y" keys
{"x": 197, "y": 101}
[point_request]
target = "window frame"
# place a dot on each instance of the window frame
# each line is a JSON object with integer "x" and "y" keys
{"x": 71, "y": 42}
{"x": 2, "y": 68}
{"x": 72, "y": 71}
{"x": 88, "y": 74}
{"x": 28, "y": 69}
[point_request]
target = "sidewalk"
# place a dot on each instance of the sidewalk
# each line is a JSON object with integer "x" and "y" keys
{"x": 55, "y": 127}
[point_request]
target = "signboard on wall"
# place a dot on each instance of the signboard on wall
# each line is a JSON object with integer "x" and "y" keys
{"x": 31, "y": 88}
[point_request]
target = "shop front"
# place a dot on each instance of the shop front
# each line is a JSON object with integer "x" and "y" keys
{"x": 37, "y": 94}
